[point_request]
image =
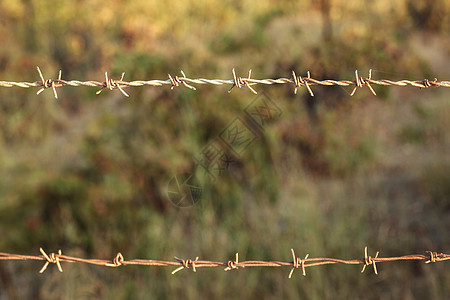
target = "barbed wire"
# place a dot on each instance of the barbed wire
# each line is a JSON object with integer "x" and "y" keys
{"x": 239, "y": 82}
{"x": 296, "y": 263}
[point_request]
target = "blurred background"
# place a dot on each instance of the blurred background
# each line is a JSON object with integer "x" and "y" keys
{"x": 89, "y": 174}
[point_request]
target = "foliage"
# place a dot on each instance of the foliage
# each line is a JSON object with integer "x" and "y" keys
{"x": 88, "y": 174}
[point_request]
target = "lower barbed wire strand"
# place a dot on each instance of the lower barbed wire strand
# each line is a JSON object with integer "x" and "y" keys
{"x": 119, "y": 260}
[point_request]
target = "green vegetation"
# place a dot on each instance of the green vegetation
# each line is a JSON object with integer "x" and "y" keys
{"x": 88, "y": 174}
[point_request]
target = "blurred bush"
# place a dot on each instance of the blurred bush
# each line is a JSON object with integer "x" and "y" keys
{"x": 89, "y": 173}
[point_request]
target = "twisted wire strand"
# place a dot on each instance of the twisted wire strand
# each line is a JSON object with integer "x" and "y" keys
{"x": 239, "y": 82}
{"x": 297, "y": 262}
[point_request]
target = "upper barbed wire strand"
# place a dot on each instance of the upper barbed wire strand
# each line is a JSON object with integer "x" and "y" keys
{"x": 239, "y": 82}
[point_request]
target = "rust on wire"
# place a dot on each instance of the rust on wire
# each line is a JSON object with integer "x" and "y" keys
{"x": 236, "y": 81}
{"x": 180, "y": 264}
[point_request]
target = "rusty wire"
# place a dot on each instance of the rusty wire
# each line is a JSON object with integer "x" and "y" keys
{"x": 180, "y": 264}
{"x": 239, "y": 82}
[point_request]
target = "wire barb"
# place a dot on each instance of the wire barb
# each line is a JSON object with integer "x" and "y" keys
{"x": 368, "y": 260}
{"x": 427, "y": 83}
{"x": 435, "y": 257}
{"x": 360, "y": 82}
{"x": 299, "y": 81}
{"x": 185, "y": 264}
{"x": 297, "y": 262}
{"x": 112, "y": 84}
{"x": 231, "y": 265}
{"x": 176, "y": 81}
{"x": 117, "y": 261}
{"x": 240, "y": 82}
{"x": 49, "y": 83}
{"x": 52, "y": 258}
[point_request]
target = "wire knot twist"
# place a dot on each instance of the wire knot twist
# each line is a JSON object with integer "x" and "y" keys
{"x": 186, "y": 264}
{"x": 176, "y": 81}
{"x": 112, "y": 84}
{"x": 434, "y": 257}
{"x": 49, "y": 83}
{"x": 52, "y": 258}
{"x": 117, "y": 261}
{"x": 232, "y": 264}
{"x": 427, "y": 83}
{"x": 368, "y": 260}
{"x": 360, "y": 82}
{"x": 240, "y": 82}
{"x": 297, "y": 262}
{"x": 300, "y": 81}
